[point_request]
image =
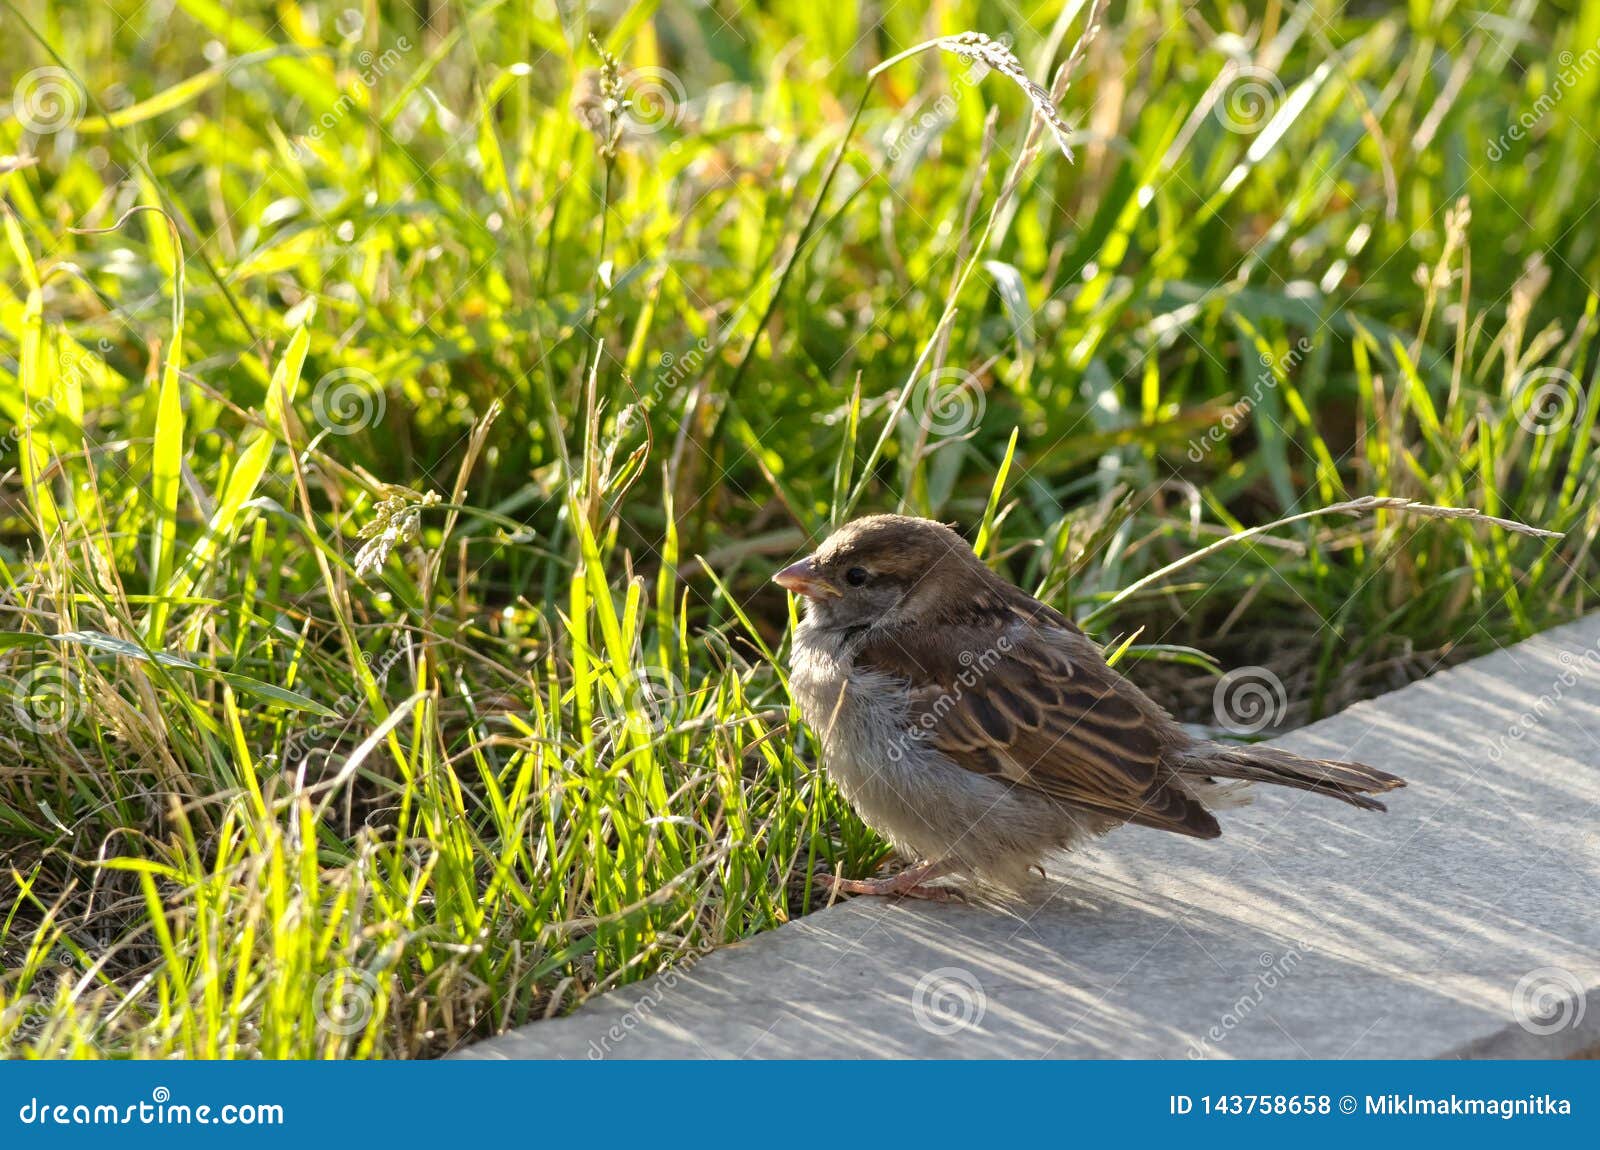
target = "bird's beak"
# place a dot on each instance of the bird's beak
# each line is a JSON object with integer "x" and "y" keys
{"x": 803, "y": 578}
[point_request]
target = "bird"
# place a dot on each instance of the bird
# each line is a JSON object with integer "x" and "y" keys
{"x": 981, "y": 731}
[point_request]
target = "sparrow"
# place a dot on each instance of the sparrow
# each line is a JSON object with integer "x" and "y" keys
{"x": 980, "y": 731}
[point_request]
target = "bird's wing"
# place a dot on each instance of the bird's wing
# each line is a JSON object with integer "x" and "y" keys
{"x": 1037, "y": 706}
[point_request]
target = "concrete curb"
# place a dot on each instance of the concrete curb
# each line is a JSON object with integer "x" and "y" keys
{"x": 1461, "y": 924}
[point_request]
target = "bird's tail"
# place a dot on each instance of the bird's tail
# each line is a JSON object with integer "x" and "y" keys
{"x": 1260, "y": 763}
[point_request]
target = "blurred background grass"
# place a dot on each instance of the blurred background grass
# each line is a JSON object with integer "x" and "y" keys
{"x": 405, "y": 405}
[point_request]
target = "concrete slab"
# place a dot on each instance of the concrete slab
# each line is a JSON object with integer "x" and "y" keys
{"x": 1461, "y": 924}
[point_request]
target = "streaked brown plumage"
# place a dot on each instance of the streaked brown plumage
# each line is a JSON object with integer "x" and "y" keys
{"x": 980, "y": 730}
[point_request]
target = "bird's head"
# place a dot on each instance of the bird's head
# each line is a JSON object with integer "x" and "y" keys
{"x": 887, "y": 568}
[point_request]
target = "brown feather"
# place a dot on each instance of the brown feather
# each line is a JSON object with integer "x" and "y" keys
{"x": 1063, "y": 725}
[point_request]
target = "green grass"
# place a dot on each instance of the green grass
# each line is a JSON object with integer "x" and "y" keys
{"x": 388, "y": 501}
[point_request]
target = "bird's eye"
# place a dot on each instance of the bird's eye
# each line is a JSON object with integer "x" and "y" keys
{"x": 856, "y": 576}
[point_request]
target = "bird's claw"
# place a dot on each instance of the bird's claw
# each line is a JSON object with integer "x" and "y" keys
{"x": 906, "y": 884}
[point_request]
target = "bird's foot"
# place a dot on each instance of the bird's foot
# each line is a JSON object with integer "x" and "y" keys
{"x": 909, "y": 883}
